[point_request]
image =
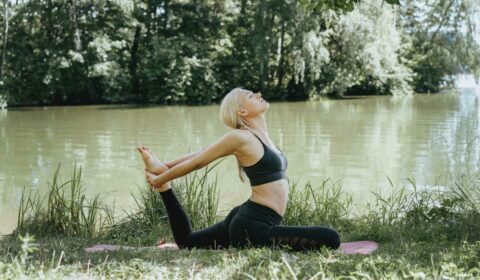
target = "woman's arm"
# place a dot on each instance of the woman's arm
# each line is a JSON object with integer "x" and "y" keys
{"x": 227, "y": 145}
{"x": 172, "y": 163}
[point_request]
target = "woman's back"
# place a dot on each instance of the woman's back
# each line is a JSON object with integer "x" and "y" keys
{"x": 266, "y": 170}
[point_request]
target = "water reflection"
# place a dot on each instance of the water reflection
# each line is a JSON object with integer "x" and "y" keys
{"x": 359, "y": 141}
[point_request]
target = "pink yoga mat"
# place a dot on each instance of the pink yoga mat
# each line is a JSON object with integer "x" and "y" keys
{"x": 106, "y": 247}
{"x": 358, "y": 247}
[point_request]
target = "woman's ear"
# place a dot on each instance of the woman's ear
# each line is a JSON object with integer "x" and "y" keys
{"x": 243, "y": 113}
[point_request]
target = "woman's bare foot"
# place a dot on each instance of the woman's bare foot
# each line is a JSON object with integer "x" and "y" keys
{"x": 152, "y": 164}
{"x": 151, "y": 181}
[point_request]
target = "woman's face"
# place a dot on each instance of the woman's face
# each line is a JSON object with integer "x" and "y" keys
{"x": 252, "y": 104}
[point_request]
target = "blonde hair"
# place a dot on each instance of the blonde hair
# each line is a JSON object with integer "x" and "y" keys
{"x": 228, "y": 115}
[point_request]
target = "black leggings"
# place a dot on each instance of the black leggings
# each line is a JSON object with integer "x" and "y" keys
{"x": 250, "y": 224}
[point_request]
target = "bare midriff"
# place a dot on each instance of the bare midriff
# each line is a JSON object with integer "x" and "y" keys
{"x": 273, "y": 195}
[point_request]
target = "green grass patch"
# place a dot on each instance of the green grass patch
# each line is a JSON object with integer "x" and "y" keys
{"x": 430, "y": 233}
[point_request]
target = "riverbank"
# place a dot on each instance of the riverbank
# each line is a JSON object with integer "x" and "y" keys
{"x": 422, "y": 234}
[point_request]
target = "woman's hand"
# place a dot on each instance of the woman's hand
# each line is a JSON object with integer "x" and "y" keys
{"x": 154, "y": 182}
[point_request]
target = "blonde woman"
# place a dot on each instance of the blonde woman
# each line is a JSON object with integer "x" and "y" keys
{"x": 257, "y": 221}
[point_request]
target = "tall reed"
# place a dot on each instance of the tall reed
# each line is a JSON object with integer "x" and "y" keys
{"x": 199, "y": 197}
{"x": 65, "y": 210}
{"x": 443, "y": 211}
{"x": 324, "y": 204}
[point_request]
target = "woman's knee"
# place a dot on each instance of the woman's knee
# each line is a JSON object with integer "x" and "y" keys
{"x": 325, "y": 236}
{"x": 333, "y": 238}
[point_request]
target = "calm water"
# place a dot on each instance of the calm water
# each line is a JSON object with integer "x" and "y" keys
{"x": 358, "y": 142}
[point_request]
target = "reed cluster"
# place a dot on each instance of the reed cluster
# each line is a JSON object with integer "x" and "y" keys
{"x": 64, "y": 211}
{"x": 322, "y": 204}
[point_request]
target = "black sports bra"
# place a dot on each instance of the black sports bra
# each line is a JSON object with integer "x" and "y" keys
{"x": 271, "y": 167}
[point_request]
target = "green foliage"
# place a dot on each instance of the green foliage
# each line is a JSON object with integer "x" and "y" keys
{"x": 192, "y": 52}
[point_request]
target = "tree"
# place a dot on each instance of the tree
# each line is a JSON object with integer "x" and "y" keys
{"x": 6, "y": 11}
{"x": 444, "y": 41}
{"x": 356, "y": 53}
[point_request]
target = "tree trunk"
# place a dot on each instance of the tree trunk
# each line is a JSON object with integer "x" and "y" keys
{"x": 50, "y": 27}
{"x": 77, "y": 43}
{"x": 243, "y": 7}
{"x": 268, "y": 43}
{"x": 5, "y": 39}
{"x": 133, "y": 66}
{"x": 281, "y": 70}
{"x": 444, "y": 18}
{"x": 261, "y": 41}
{"x": 165, "y": 16}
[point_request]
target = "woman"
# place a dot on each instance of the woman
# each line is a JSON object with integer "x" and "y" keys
{"x": 255, "y": 222}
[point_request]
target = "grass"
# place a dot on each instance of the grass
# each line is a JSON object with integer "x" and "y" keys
{"x": 324, "y": 204}
{"x": 65, "y": 211}
{"x": 423, "y": 234}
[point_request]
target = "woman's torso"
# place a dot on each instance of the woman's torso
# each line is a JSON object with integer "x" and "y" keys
{"x": 272, "y": 194}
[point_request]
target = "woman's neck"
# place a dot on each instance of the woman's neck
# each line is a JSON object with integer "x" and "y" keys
{"x": 258, "y": 125}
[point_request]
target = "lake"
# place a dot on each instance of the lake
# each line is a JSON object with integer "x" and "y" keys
{"x": 355, "y": 142}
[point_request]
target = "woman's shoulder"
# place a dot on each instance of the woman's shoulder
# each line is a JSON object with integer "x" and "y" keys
{"x": 241, "y": 135}
{"x": 241, "y": 139}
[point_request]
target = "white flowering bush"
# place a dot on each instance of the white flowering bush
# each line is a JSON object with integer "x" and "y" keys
{"x": 361, "y": 48}
{"x": 108, "y": 63}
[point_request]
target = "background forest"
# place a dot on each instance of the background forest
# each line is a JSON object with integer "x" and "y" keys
{"x": 59, "y": 52}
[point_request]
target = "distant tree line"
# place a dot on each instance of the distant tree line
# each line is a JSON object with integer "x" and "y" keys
{"x": 58, "y": 52}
